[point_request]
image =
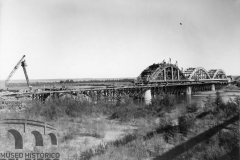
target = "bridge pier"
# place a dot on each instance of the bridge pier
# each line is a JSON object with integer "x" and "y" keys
{"x": 147, "y": 96}
{"x": 213, "y": 87}
{"x": 189, "y": 90}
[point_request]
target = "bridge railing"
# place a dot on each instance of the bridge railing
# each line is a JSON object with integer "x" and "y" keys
{"x": 26, "y": 122}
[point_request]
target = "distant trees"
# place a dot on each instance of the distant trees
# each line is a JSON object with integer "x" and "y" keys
{"x": 96, "y": 81}
{"x": 67, "y": 81}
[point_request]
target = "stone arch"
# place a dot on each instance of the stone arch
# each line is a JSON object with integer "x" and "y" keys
{"x": 18, "y": 138}
{"x": 38, "y": 138}
{"x": 53, "y": 138}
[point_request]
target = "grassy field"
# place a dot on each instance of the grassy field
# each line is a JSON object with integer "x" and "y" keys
{"x": 169, "y": 137}
{"x": 125, "y": 130}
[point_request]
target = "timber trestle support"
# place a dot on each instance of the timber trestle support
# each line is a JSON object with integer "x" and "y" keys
{"x": 135, "y": 92}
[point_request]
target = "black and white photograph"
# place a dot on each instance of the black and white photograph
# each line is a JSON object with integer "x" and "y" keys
{"x": 119, "y": 79}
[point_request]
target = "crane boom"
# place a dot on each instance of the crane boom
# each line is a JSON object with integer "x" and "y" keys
{"x": 24, "y": 65}
{"x": 13, "y": 71}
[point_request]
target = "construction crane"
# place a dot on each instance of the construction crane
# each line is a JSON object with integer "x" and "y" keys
{"x": 23, "y": 64}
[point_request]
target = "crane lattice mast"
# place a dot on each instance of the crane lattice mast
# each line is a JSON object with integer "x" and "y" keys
{"x": 23, "y": 64}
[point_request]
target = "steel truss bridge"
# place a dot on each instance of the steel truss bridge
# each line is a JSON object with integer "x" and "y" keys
{"x": 167, "y": 72}
{"x": 154, "y": 80}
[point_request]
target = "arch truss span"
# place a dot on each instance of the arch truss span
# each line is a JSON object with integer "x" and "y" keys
{"x": 162, "y": 72}
{"x": 198, "y": 73}
{"x": 217, "y": 74}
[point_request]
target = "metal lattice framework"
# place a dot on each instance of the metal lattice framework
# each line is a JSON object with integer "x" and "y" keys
{"x": 217, "y": 74}
{"x": 162, "y": 72}
{"x": 170, "y": 72}
{"x": 196, "y": 73}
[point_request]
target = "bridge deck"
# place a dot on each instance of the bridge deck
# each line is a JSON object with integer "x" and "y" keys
{"x": 137, "y": 86}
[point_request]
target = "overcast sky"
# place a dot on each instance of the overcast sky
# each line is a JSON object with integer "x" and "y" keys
{"x": 117, "y": 38}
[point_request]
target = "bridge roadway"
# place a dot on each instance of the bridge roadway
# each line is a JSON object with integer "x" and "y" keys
{"x": 139, "y": 90}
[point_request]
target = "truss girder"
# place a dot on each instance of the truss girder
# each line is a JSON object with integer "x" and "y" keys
{"x": 217, "y": 74}
{"x": 171, "y": 72}
{"x": 196, "y": 73}
{"x": 162, "y": 72}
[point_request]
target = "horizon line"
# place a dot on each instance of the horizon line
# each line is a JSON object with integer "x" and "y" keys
{"x": 69, "y": 78}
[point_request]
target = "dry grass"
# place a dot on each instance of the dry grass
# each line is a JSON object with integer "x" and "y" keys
{"x": 215, "y": 147}
{"x": 127, "y": 131}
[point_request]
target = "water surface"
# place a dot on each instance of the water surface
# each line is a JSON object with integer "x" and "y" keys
{"x": 200, "y": 97}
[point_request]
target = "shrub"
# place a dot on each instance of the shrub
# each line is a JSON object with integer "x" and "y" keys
{"x": 192, "y": 108}
{"x": 214, "y": 106}
{"x": 34, "y": 109}
{"x": 228, "y": 109}
{"x": 221, "y": 143}
{"x": 214, "y": 148}
{"x": 127, "y": 112}
{"x": 68, "y": 136}
{"x": 228, "y": 138}
{"x": 50, "y": 111}
{"x": 75, "y": 108}
{"x": 218, "y": 99}
{"x": 186, "y": 122}
{"x": 209, "y": 105}
{"x": 166, "y": 103}
{"x": 170, "y": 132}
{"x": 54, "y": 107}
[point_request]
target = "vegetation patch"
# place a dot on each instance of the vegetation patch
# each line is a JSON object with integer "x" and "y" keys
{"x": 161, "y": 126}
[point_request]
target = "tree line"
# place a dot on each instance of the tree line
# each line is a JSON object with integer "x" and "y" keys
{"x": 97, "y": 81}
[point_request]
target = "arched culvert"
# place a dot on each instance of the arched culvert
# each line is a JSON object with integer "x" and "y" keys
{"x": 38, "y": 138}
{"x": 53, "y": 138}
{"x": 18, "y": 138}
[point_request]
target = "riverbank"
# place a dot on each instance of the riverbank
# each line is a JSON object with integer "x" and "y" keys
{"x": 107, "y": 130}
{"x": 232, "y": 87}
{"x": 214, "y": 92}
